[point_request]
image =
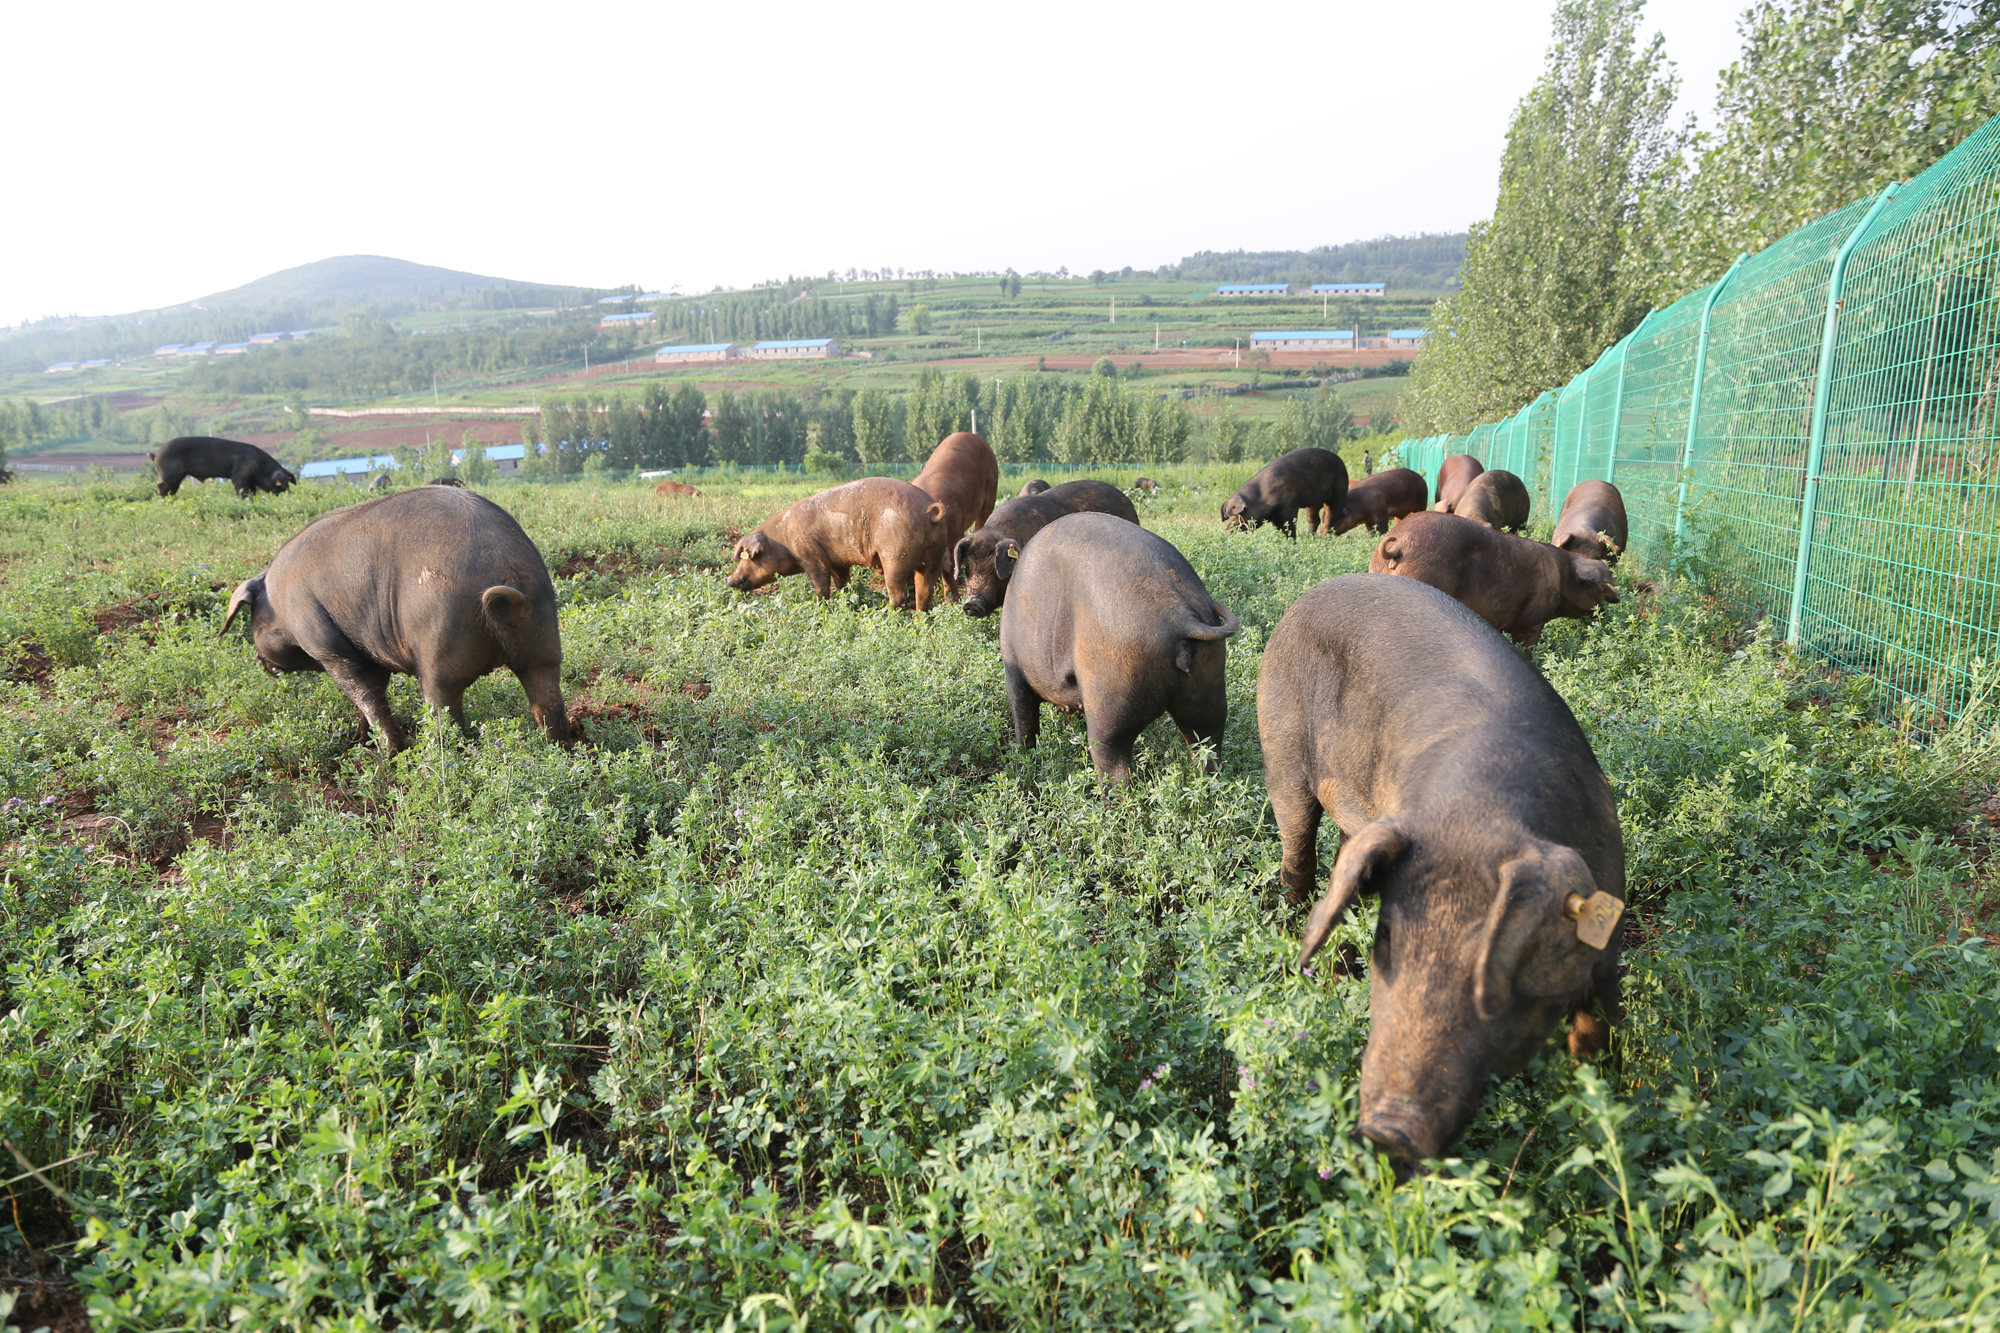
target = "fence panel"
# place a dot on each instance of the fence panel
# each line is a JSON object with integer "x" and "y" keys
{"x": 1891, "y": 550}
{"x": 1903, "y": 580}
{"x": 1651, "y": 431}
{"x": 1748, "y": 463}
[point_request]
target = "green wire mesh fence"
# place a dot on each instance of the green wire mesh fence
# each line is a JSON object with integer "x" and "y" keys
{"x": 1818, "y": 429}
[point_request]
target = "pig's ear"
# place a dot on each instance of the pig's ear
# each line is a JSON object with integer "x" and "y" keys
{"x": 1535, "y": 941}
{"x": 1599, "y": 574}
{"x": 752, "y": 546}
{"x": 1363, "y": 859}
{"x": 1003, "y": 560}
{"x": 959, "y": 554}
{"x": 245, "y": 595}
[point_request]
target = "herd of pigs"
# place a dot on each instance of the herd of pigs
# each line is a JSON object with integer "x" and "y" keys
{"x": 1468, "y": 800}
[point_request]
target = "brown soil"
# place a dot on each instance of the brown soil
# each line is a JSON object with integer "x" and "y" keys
{"x": 45, "y": 1296}
{"x": 611, "y": 564}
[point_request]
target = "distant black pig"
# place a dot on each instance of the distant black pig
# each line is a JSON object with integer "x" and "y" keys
{"x": 1104, "y": 616}
{"x": 205, "y": 458}
{"x": 1470, "y": 804}
{"x": 1308, "y": 479}
{"x": 985, "y": 560}
{"x": 435, "y": 582}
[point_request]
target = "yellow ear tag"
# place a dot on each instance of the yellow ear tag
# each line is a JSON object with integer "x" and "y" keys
{"x": 1013, "y": 551}
{"x": 1596, "y": 917}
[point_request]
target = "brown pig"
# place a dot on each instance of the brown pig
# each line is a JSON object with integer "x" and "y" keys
{"x": 1471, "y": 808}
{"x": 1511, "y": 583}
{"x": 962, "y": 475}
{"x": 1453, "y": 477}
{"x": 1497, "y": 498}
{"x": 1592, "y": 522}
{"x": 1381, "y": 499}
{"x": 888, "y": 525}
{"x": 667, "y": 490}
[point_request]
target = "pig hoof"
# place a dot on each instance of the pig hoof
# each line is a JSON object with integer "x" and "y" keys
{"x": 1589, "y": 1035}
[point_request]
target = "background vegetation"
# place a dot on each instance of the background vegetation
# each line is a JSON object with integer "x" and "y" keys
{"x": 1607, "y": 210}
{"x": 797, "y": 996}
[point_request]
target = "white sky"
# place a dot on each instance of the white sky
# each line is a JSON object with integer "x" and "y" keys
{"x": 161, "y": 152}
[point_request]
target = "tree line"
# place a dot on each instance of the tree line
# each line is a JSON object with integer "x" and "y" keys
{"x": 1027, "y": 418}
{"x": 1607, "y": 210}
{"x": 761, "y": 315}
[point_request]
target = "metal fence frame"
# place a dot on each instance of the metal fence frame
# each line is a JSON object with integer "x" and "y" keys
{"x": 1817, "y": 431}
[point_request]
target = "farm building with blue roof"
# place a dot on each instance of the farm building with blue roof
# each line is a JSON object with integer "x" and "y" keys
{"x": 792, "y": 348}
{"x": 1253, "y": 289}
{"x": 1298, "y": 340}
{"x": 696, "y": 352}
{"x": 328, "y": 468}
{"x": 1351, "y": 288}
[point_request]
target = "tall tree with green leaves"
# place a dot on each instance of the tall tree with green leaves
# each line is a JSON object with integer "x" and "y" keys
{"x": 1566, "y": 264}
{"x": 1828, "y": 102}
{"x": 878, "y": 427}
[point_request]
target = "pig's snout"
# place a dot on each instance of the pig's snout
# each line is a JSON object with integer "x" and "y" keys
{"x": 1405, "y": 1138}
{"x": 976, "y": 605}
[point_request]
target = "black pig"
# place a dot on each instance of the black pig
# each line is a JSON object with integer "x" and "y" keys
{"x": 435, "y": 582}
{"x": 205, "y": 458}
{"x": 1307, "y": 479}
{"x": 1471, "y": 806}
{"x": 1104, "y": 616}
{"x": 984, "y": 561}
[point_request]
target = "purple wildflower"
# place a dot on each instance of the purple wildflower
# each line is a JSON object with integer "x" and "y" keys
{"x": 1243, "y": 1071}
{"x": 48, "y": 800}
{"x": 1160, "y": 1070}
{"x": 1144, "y": 1084}
{"x": 1326, "y": 1173}
{"x": 1312, "y": 1085}
{"x": 1298, "y": 1036}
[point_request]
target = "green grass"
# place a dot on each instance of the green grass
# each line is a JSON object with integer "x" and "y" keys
{"x": 797, "y": 996}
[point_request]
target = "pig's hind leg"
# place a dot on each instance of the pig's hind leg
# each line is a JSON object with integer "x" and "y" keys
{"x": 367, "y": 684}
{"x": 1026, "y": 706}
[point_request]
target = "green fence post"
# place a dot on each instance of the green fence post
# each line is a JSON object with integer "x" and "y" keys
{"x": 1694, "y": 402}
{"x": 1816, "y": 440}
{"x": 1618, "y": 395}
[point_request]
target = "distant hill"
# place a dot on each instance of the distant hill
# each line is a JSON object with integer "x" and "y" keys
{"x": 1428, "y": 262}
{"x": 360, "y": 279}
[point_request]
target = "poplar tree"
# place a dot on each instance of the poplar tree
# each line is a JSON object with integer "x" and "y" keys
{"x": 1826, "y": 104}
{"x": 1566, "y": 264}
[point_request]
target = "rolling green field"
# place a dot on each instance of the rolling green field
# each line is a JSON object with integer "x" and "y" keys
{"x": 796, "y": 997}
{"x": 973, "y": 327}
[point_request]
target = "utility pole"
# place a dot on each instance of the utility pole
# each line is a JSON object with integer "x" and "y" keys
{"x": 1114, "y": 310}
{"x": 435, "y": 401}
{"x": 978, "y": 339}
{"x": 1156, "y": 337}
{"x": 1237, "y": 343}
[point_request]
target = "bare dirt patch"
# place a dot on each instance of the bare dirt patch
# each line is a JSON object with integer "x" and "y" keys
{"x": 44, "y": 1295}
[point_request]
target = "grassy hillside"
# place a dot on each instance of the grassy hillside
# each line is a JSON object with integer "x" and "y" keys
{"x": 359, "y": 279}
{"x": 798, "y": 996}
